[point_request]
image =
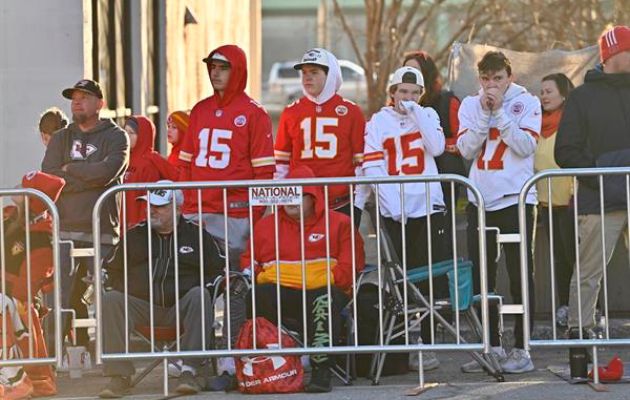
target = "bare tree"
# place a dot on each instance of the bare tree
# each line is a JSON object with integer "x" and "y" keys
{"x": 394, "y": 26}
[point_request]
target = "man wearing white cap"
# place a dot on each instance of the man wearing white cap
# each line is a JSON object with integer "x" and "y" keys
{"x": 175, "y": 250}
{"x": 404, "y": 139}
{"x": 322, "y": 130}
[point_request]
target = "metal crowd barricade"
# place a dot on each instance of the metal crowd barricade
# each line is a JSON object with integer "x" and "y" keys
{"x": 195, "y": 189}
{"x": 596, "y": 175}
{"x": 29, "y": 358}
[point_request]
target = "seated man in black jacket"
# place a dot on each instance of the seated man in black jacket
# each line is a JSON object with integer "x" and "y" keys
{"x": 169, "y": 257}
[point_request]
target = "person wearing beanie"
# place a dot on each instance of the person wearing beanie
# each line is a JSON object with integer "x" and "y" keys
{"x": 595, "y": 132}
{"x": 145, "y": 166}
{"x": 24, "y": 381}
{"x": 177, "y": 126}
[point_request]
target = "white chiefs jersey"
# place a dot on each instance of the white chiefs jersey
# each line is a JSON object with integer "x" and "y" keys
{"x": 397, "y": 144}
{"x": 502, "y": 146}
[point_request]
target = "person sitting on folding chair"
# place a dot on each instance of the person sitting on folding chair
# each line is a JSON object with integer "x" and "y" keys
{"x": 166, "y": 261}
{"x": 323, "y": 248}
{"x": 403, "y": 139}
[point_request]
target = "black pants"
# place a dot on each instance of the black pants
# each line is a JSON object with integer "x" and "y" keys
{"x": 507, "y": 221}
{"x": 563, "y": 247}
{"x": 316, "y": 313}
{"x": 417, "y": 253}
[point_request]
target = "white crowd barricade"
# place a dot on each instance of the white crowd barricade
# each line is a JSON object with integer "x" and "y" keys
{"x": 9, "y": 305}
{"x": 606, "y": 185}
{"x": 398, "y": 296}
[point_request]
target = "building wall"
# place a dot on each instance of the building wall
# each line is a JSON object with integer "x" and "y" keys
{"x": 35, "y": 65}
{"x": 218, "y": 22}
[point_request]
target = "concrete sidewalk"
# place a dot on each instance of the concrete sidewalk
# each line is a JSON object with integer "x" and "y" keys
{"x": 540, "y": 384}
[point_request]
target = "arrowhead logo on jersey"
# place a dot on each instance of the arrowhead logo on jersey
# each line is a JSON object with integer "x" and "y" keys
{"x": 186, "y": 250}
{"x": 341, "y": 110}
{"x": 240, "y": 121}
{"x": 81, "y": 151}
{"x": 17, "y": 248}
{"x": 31, "y": 175}
{"x": 315, "y": 237}
{"x": 518, "y": 108}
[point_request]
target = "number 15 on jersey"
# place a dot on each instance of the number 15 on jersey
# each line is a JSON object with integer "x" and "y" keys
{"x": 214, "y": 150}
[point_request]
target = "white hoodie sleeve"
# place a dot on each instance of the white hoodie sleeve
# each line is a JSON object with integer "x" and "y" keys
{"x": 428, "y": 122}
{"x": 521, "y": 136}
{"x": 474, "y": 125}
{"x": 374, "y": 166}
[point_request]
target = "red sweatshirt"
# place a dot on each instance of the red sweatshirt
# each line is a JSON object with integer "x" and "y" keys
{"x": 145, "y": 166}
{"x": 315, "y": 238}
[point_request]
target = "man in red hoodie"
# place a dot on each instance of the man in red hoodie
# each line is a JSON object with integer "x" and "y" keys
{"x": 323, "y": 249}
{"x": 145, "y": 165}
{"x": 229, "y": 138}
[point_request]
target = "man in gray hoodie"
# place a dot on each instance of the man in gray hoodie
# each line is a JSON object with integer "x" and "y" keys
{"x": 91, "y": 154}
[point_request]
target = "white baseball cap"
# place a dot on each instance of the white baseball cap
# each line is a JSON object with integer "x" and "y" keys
{"x": 406, "y": 75}
{"x": 216, "y": 56}
{"x": 162, "y": 197}
{"x": 315, "y": 56}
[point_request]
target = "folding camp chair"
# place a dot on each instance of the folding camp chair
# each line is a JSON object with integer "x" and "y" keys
{"x": 419, "y": 307}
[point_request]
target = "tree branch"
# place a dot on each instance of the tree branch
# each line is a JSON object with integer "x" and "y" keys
{"x": 348, "y": 31}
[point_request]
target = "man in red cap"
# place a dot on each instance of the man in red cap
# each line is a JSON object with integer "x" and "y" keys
{"x": 229, "y": 138}
{"x": 595, "y": 132}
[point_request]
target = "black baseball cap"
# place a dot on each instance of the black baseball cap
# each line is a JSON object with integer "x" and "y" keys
{"x": 84, "y": 85}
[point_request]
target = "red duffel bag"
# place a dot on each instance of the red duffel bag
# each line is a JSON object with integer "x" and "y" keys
{"x": 267, "y": 374}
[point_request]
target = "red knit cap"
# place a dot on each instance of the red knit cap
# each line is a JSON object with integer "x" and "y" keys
{"x": 51, "y": 185}
{"x": 181, "y": 120}
{"x": 614, "y": 41}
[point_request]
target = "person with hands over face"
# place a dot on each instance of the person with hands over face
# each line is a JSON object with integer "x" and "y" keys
{"x": 499, "y": 128}
{"x": 404, "y": 139}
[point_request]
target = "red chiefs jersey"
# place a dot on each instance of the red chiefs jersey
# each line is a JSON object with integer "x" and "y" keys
{"x": 328, "y": 138}
{"x": 227, "y": 143}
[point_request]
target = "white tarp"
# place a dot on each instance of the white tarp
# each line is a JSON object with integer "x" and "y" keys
{"x": 528, "y": 68}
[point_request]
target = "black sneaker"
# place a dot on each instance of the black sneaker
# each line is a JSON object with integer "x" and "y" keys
{"x": 118, "y": 386}
{"x": 320, "y": 380}
{"x": 187, "y": 384}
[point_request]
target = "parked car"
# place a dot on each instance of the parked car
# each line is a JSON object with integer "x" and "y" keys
{"x": 284, "y": 84}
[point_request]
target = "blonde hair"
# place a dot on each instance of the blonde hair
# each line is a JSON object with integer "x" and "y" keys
{"x": 52, "y": 120}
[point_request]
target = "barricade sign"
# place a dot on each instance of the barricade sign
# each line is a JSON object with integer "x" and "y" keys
{"x": 275, "y": 196}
